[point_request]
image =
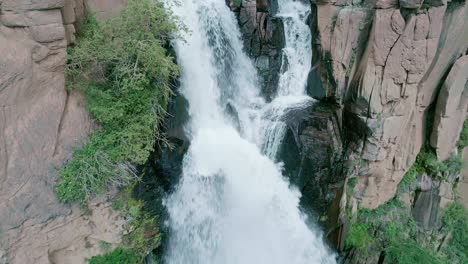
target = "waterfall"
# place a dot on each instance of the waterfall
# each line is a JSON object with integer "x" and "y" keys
{"x": 297, "y": 58}
{"x": 232, "y": 204}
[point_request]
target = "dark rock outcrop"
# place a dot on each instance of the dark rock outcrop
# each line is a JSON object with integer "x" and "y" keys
{"x": 263, "y": 36}
{"x": 312, "y": 154}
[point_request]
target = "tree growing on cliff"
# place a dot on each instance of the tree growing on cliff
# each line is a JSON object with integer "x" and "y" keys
{"x": 124, "y": 70}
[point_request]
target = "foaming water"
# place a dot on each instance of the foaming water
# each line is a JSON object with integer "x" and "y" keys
{"x": 297, "y": 56}
{"x": 298, "y": 49}
{"x": 232, "y": 204}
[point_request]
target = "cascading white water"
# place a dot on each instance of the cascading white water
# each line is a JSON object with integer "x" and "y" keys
{"x": 232, "y": 204}
{"x": 298, "y": 49}
{"x": 291, "y": 93}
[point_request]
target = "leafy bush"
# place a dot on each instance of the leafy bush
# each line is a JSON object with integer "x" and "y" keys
{"x": 427, "y": 162}
{"x": 237, "y": 3}
{"x": 117, "y": 256}
{"x": 455, "y": 219}
{"x": 123, "y": 68}
{"x": 410, "y": 178}
{"x": 463, "y": 142}
{"x": 358, "y": 236}
{"x": 402, "y": 249}
{"x": 410, "y": 252}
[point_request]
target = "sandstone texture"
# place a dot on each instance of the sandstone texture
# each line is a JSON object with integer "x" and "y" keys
{"x": 451, "y": 109}
{"x": 40, "y": 124}
{"x": 390, "y": 66}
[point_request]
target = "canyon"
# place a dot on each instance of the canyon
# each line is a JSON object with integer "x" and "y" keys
{"x": 388, "y": 78}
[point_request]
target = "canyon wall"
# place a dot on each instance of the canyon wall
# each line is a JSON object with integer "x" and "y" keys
{"x": 40, "y": 125}
{"x": 390, "y": 78}
{"x": 398, "y": 71}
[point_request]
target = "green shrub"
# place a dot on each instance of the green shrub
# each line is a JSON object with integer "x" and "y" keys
{"x": 410, "y": 178}
{"x": 124, "y": 71}
{"x": 401, "y": 248}
{"x": 117, "y": 256}
{"x": 427, "y": 162}
{"x": 463, "y": 142}
{"x": 358, "y": 236}
{"x": 237, "y": 3}
{"x": 410, "y": 252}
{"x": 394, "y": 232}
{"x": 455, "y": 219}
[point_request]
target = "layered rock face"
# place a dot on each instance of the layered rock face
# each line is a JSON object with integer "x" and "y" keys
{"x": 41, "y": 123}
{"x": 385, "y": 63}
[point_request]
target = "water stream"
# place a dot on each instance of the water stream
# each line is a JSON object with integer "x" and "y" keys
{"x": 232, "y": 204}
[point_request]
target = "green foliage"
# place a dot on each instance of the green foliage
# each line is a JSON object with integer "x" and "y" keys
{"x": 127, "y": 94}
{"x": 104, "y": 246}
{"x": 455, "y": 219}
{"x": 358, "y": 237}
{"x": 402, "y": 249}
{"x": 463, "y": 142}
{"x": 90, "y": 171}
{"x": 141, "y": 234}
{"x": 390, "y": 228}
{"x": 410, "y": 252}
{"x": 117, "y": 204}
{"x": 393, "y": 230}
{"x": 117, "y": 256}
{"x": 237, "y": 3}
{"x": 392, "y": 210}
{"x": 427, "y": 162}
{"x": 410, "y": 178}
{"x": 350, "y": 188}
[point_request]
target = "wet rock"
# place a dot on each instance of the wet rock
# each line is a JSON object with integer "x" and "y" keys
{"x": 263, "y": 36}
{"x": 311, "y": 147}
{"x": 426, "y": 208}
{"x": 424, "y": 183}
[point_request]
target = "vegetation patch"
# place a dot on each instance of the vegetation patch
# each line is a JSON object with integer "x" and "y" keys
{"x": 455, "y": 220}
{"x": 124, "y": 70}
{"x": 141, "y": 234}
{"x": 359, "y": 237}
{"x": 391, "y": 228}
{"x": 463, "y": 142}
{"x": 117, "y": 256}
